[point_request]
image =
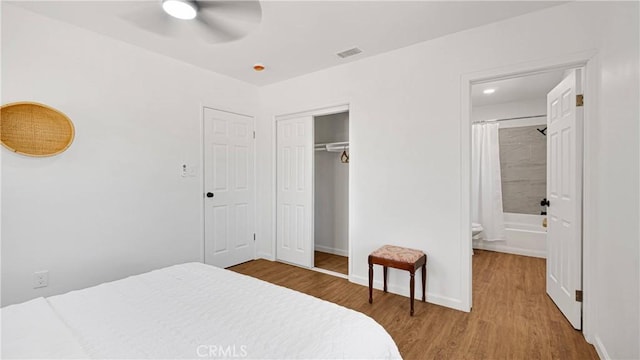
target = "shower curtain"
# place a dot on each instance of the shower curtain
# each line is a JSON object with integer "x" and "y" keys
{"x": 486, "y": 183}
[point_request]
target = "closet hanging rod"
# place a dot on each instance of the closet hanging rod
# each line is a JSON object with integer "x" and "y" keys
{"x": 332, "y": 147}
{"x": 507, "y": 119}
{"x": 333, "y": 143}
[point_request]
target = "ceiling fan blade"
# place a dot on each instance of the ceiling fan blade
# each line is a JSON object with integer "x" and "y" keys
{"x": 241, "y": 10}
{"x": 217, "y": 21}
{"x": 217, "y": 30}
{"x": 152, "y": 18}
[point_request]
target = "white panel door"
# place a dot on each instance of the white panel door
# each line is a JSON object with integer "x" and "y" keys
{"x": 294, "y": 215}
{"x": 229, "y": 188}
{"x": 564, "y": 192}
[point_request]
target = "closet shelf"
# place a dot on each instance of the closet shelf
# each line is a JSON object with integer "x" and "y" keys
{"x": 333, "y": 147}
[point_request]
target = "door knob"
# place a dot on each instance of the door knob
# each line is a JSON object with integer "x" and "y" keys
{"x": 209, "y": 194}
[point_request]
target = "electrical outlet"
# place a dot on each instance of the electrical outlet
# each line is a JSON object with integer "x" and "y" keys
{"x": 40, "y": 279}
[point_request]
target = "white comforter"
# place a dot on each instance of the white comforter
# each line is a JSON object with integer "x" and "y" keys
{"x": 193, "y": 311}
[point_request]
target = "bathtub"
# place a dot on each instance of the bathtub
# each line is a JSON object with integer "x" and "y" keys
{"x": 524, "y": 234}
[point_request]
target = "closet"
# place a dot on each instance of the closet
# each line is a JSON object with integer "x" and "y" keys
{"x": 312, "y": 189}
{"x": 331, "y": 192}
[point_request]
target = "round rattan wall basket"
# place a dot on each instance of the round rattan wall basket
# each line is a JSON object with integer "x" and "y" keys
{"x": 34, "y": 129}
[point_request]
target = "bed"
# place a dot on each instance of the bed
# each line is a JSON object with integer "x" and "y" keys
{"x": 190, "y": 311}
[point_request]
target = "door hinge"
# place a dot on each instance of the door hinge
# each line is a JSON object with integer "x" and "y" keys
{"x": 254, "y": 134}
{"x": 579, "y": 100}
{"x": 579, "y": 295}
{"x": 254, "y": 237}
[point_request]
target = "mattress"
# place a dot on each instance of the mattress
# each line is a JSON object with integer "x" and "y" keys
{"x": 32, "y": 330}
{"x": 200, "y": 311}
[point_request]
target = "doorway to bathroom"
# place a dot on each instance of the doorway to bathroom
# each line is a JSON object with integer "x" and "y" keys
{"x": 509, "y": 163}
{"x": 526, "y": 187}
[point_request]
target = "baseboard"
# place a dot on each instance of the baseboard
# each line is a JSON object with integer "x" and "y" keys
{"x": 509, "y": 250}
{"x": 398, "y": 290}
{"x": 404, "y": 291}
{"x": 600, "y": 349}
{"x": 331, "y": 250}
{"x": 267, "y": 256}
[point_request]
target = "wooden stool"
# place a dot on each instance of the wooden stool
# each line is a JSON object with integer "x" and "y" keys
{"x": 399, "y": 258}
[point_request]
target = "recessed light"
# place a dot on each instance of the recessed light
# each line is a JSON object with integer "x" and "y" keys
{"x": 489, "y": 91}
{"x": 181, "y": 9}
{"x": 258, "y": 67}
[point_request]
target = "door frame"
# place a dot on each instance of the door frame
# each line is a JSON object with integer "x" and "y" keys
{"x": 589, "y": 61}
{"x": 328, "y": 110}
{"x": 203, "y": 182}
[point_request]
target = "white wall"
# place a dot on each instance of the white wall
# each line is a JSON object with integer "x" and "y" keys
{"x": 114, "y": 204}
{"x": 331, "y": 206}
{"x": 406, "y": 186}
{"x": 616, "y": 203}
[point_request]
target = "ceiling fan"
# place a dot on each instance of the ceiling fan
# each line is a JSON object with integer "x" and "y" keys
{"x": 214, "y": 21}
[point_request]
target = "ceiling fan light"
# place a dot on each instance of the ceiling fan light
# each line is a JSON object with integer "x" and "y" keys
{"x": 181, "y": 9}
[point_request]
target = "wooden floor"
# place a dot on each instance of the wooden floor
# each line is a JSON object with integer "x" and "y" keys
{"x": 332, "y": 262}
{"x": 512, "y": 317}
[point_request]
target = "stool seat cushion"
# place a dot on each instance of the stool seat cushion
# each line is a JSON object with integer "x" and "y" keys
{"x": 397, "y": 253}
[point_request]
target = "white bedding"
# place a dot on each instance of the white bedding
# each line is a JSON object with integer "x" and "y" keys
{"x": 199, "y": 311}
{"x": 32, "y": 330}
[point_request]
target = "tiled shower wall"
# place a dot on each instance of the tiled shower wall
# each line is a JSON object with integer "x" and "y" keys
{"x": 523, "y": 163}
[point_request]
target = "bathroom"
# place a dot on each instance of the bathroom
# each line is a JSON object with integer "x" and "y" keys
{"x": 509, "y": 164}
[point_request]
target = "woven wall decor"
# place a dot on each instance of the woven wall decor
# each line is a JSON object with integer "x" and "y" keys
{"x": 34, "y": 129}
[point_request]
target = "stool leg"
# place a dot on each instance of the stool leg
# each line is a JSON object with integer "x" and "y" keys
{"x": 412, "y": 287}
{"x": 385, "y": 278}
{"x": 370, "y": 283}
{"x": 424, "y": 282}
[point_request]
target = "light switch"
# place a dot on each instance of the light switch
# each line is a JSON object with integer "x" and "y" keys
{"x": 188, "y": 170}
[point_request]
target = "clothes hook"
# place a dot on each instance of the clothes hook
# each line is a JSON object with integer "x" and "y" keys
{"x": 344, "y": 158}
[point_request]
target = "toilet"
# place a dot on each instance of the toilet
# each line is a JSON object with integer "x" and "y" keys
{"x": 476, "y": 229}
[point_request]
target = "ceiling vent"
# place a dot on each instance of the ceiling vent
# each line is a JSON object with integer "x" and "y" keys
{"x": 350, "y": 52}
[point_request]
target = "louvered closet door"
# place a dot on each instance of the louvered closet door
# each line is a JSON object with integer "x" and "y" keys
{"x": 564, "y": 191}
{"x": 229, "y": 188}
{"x": 294, "y": 214}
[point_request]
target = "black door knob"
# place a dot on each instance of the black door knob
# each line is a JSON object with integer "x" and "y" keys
{"x": 209, "y": 194}
{"x": 544, "y": 202}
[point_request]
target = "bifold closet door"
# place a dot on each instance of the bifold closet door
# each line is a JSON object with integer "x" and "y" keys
{"x": 294, "y": 214}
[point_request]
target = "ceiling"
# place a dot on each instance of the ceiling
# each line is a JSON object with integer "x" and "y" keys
{"x": 517, "y": 89}
{"x": 294, "y": 37}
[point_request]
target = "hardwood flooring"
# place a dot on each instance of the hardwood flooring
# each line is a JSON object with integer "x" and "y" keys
{"x": 512, "y": 317}
{"x": 332, "y": 262}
